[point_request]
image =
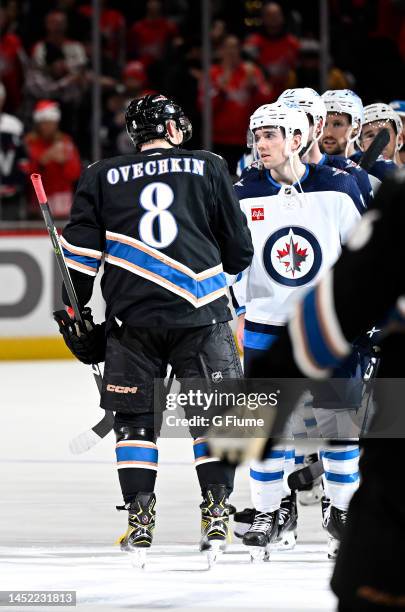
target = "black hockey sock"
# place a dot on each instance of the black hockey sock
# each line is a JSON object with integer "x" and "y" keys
{"x": 132, "y": 481}
{"x": 215, "y": 472}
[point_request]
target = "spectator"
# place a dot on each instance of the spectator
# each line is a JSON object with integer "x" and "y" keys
{"x": 150, "y": 37}
{"x": 238, "y": 87}
{"x": 273, "y": 48}
{"x": 134, "y": 86}
{"x": 308, "y": 72}
{"x": 13, "y": 164}
{"x": 112, "y": 28}
{"x": 53, "y": 154}
{"x": 72, "y": 50}
{"x": 12, "y": 59}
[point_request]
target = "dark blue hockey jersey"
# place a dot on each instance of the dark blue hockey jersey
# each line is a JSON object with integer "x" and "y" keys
{"x": 349, "y": 166}
{"x": 381, "y": 167}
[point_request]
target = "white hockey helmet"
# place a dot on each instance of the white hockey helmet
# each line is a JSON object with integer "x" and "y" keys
{"x": 308, "y": 100}
{"x": 345, "y": 101}
{"x": 383, "y": 112}
{"x": 281, "y": 114}
{"x": 311, "y": 103}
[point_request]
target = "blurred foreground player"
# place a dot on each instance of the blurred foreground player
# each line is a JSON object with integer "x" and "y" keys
{"x": 168, "y": 223}
{"x": 368, "y": 575}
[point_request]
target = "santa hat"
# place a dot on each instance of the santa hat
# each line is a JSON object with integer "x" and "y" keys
{"x": 46, "y": 110}
{"x": 134, "y": 70}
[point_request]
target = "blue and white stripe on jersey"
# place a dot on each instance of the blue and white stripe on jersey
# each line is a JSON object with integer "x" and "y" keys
{"x": 318, "y": 347}
{"x": 81, "y": 259}
{"x": 134, "y": 256}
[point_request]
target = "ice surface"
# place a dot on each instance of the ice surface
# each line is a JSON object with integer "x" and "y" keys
{"x": 58, "y": 521}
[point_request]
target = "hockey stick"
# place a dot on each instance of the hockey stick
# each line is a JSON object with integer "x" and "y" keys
{"x": 370, "y": 156}
{"x": 87, "y": 439}
{"x": 300, "y": 479}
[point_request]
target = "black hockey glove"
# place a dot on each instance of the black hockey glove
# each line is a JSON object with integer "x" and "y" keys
{"x": 86, "y": 345}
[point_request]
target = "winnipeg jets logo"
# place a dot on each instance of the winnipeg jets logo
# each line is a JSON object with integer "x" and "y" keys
{"x": 292, "y": 256}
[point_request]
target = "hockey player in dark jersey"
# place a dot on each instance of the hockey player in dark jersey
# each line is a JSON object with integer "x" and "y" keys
{"x": 368, "y": 575}
{"x": 299, "y": 215}
{"x": 344, "y": 121}
{"x": 168, "y": 224}
{"x": 377, "y": 117}
{"x": 312, "y": 103}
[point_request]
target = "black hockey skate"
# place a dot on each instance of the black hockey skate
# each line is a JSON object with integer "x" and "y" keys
{"x": 263, "y": 531}
{"x": 214, "y": 522}
{"x": 141, "y": 523}
{"x": 334, "y": 521}
{"x": 287, "y": 523}
{"x": 242, "y": 521}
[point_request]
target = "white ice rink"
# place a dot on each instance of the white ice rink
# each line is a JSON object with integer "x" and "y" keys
{"x": 58, "y": 521}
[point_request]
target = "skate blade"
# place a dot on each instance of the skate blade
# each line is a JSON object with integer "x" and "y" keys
{"x": 287, "y": 541}
{"x": 214, "y": 553}
{"x": 333, "y": 548}
{"x": 137, "y": 557}
{"x": 259, "y": 554}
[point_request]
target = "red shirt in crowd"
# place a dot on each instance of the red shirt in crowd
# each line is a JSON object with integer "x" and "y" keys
{"x": 11, "y": 73}
{"x": 276, "y": 55}
{"x": 112, "y": 26}
{"x": 58, "y": 177}
{"x": 148, "y": 38}
{"x": 235, "y": 96}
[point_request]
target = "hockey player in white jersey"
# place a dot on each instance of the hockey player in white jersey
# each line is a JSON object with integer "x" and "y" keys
{"x": 299, "y": 215}
{"x": 340, "y": 464}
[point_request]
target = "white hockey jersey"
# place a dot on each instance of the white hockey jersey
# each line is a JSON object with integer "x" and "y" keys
{"x": 296, "y": 237}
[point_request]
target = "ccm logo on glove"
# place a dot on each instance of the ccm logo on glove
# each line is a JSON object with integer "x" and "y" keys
{"x": 118, "y": 389}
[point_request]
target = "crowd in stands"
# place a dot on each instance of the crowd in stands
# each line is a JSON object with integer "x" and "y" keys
{"x": 46, "y": 74}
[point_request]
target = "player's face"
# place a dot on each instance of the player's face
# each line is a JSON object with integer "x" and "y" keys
{"x": 335, "y": 134}
{"x": 370, "y": 131}
{"x": 270, "y": 144}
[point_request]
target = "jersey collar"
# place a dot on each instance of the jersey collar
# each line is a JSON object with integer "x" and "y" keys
{"x": 279, "y": 185}
{"x": 322, "y": 161}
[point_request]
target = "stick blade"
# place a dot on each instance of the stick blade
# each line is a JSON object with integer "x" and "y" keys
{"x": 83, "y": 442}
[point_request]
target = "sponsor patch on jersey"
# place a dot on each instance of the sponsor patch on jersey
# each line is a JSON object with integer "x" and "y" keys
{"x": 257, "y": 214}
{"x": 292, "y": 256}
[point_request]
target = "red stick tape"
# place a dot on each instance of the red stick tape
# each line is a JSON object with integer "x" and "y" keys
{"x": 36, "y": 180}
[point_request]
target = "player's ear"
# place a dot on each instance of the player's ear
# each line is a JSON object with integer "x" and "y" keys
{"x": 296, "y": 142}
{"x": 176, "y": 135}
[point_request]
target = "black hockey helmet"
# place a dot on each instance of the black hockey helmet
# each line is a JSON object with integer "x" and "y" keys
{"x": 146, "y": 119}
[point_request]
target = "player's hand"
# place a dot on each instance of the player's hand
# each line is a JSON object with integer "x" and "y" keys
{"x": 87, "y": 345}
{"x": 240, "y": 330}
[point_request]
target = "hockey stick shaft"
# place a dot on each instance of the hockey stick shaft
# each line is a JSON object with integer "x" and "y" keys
{"x": 36, "y": 180}
{"x": 300, "y": 479}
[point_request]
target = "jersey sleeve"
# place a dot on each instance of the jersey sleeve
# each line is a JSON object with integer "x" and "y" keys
{"x": 83, "y": 238}
{"x": 359, "y": 291}
{"x": 238, "y": 292}
{"x": 230, "y": 225}
{"x": 352, "y": 206}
